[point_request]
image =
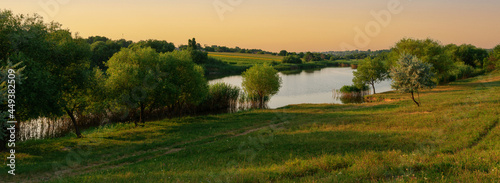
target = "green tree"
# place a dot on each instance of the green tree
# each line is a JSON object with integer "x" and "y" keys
{"x": 492, "y": 62}
{"x": 186, "y": 84}
{"x": 293, "y": 59}
{"x": 429, "y": 51}
{"x": 74, "y": 73}
{"x": 283, "y": 53}
{"x": 262, "y": 81}
{"x": 370, "y": 71}
{"x": 142, "y": 78}
{"x": 410, "y": 75}
{"x": 132, "y": 77}
{"x": 159, "y": 46}
{"x": 29, "y": 40}
{"x": 471, "y": 55}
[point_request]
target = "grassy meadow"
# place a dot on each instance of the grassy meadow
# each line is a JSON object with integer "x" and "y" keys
{"x": 454, "y": 136}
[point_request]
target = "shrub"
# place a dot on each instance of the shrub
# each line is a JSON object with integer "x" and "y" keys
{"x": 353, "y": 88}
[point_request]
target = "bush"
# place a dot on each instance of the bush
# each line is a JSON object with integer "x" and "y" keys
{"x": 293, "y": 59}
{"x": 353, "y": 88}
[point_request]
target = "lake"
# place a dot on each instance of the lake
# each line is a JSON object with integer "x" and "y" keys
{"x": 309, "y": 86}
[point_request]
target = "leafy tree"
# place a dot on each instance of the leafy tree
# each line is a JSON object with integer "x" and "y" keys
{"x": 192, "y": 44}
{"x": 159, "y": 46}
{"x": 292, "y": 59}
{"x": 262, "y": 81}
{"x": 283, "y": 53}
{"x": 308, "y": 57}
{"x": 133, "y": 76}
{"x": 429, "y": 51}
{"x": 25, "y": 39}
{"x": 371, "y": 71}
{"x": 186, "y": 83}
{"x": 492, "y": 62}
{"x": 93, "y": 39}
{"x": 471, "y": 55}
{"x": 103, "y": 50}
{"x": 142, "y": 78}
{"x": 410, "y": 75}
{"x": 74, "y": 73}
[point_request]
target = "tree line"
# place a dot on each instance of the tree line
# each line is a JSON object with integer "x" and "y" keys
{"x": 415, "y": 64}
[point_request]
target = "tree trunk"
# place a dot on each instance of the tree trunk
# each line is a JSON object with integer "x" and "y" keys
{"x": 261, "y": 104}
{"x": 373, "y": 86}
{"x": 141, "y": 116}
{"x": 413, "y": 98}
{"x": 73, "y": 119}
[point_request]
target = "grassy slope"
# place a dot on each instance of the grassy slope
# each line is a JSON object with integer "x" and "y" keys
{"x": 454, "y": 136}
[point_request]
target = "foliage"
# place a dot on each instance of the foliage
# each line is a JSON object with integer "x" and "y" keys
{"x": 133, "y": 75}
{"x": 103, "y": 49}
{"x": 142, "y": 78}
{"x": 261, "y": 80}
{"x": 353, "y": 88}
{"x": 292, "y": 59}
{"x": 410, "y": 75}
{"x": 428, "y": 51}
{"x": 283, "y": 53}
{"x": 371, "y": 71}
{"x": 159, "y": 46}
{"x": 492, "y": 62}
{"x": 468, "y": 54}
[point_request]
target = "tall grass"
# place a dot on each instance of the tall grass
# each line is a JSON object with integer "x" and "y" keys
{"x": 222, "y": 97}
{"x": 351, "y": 94}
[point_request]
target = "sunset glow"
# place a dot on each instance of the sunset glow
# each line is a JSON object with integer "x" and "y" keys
{"x": 315, "y": 25}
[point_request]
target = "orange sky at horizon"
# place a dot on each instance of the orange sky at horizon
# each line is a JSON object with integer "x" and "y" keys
{"x": 315, "y": 25}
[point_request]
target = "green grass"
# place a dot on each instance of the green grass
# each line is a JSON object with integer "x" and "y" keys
{"x": 453, "y": 137}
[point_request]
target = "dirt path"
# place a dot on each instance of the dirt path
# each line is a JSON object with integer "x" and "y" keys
{"x": 158, "y": 152}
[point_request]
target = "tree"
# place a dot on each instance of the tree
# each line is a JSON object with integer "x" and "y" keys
{"x": 308, "y": 57}
{"x": 428, "y": 51}
{"x": 371, "y": 71}
{"x": 74, "y": 72}
{"x": 262, "y": 81}
{"x": 159, "y": 46}
{"x": 132, "y": 77}
{"x": 186, "y": 84}
{"x": 471, "y": 55}
{"x": 283, "y": 53}
{"x": 410, "y": 75}
{"x": 142, "y": 78}
{"x": 192, "y": 44}
{"x": 293, "y": 59}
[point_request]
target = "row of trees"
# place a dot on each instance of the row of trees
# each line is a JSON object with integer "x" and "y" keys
{"x": 427, "y": 60}
{"x": 66, "y": 75}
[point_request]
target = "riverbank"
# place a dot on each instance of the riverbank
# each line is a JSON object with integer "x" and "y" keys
{"x": 454, "y": 136}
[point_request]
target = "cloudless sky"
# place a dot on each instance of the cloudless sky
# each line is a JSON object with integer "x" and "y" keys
{"x": 293, "y": 25}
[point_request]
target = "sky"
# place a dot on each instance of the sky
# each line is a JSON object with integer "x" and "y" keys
{"x": 292, "y": 25}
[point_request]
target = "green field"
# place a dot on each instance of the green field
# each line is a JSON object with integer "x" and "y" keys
{"x": 453, "y": 137}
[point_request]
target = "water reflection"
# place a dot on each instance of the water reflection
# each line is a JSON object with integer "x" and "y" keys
{"x": 309, "y": 86}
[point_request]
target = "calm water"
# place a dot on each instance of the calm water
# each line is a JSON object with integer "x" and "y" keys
{"x": 314, "y": 86}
